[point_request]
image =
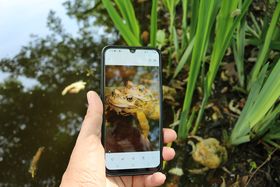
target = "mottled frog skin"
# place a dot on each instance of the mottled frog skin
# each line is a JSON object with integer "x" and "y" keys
{"x": 135, "y": 100}
{"x": 208, "y": 152}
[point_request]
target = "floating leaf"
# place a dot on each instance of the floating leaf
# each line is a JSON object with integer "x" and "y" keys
{"x": 34, "y": 163}
{"x": 75, "y": 87}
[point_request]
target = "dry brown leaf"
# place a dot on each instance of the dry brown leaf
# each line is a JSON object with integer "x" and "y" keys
{"x": 34, "y": 163}
{"x": 75, "y": 87}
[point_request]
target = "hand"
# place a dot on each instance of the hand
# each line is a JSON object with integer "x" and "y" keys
{"x": 87, "y": 163}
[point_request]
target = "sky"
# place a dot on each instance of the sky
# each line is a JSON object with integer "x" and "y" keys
{"x": 21, "y": 18}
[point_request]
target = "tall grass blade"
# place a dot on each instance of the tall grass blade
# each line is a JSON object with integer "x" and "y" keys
{"x": 274, "y": 132}
{"x": 153, "y": 25}
{"x": 225, "y": 28}
{"x": 194, "y": 16}
{"x": 238, "y": 49}
{"x": 274, "y": 45}
{"x": 226, "y": 25}
{"x": 205, "y": 22}
{"x": 184, "y": 24}
{"x": 256, "y": 25}
{"x": 184, "y": 58}
{"x": 258, "y": 110}
{"x": 256, "y": 87}
{"x": 264, "y": 124}
{"x": 265, "y": 48}
{"x": 128, "y": 14}
{"x": 134, "y": 25}
{"x": 176, "y": 43}
{"x": 122, "y": 26}
{"x": 171, "y": 5}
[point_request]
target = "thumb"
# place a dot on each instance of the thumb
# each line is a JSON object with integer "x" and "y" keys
{"x": 86, "y": 165}
{"x": 93, "y": 119}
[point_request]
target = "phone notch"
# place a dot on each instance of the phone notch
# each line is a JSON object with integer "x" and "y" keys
{"x": 132, "y": 50}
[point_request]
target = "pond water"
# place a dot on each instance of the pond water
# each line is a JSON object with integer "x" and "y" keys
{"x": 33, "y": 111}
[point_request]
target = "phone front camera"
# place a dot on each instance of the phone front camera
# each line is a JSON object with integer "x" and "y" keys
{"x": 132, "y": 50}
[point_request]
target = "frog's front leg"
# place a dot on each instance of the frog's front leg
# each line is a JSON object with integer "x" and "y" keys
{"x": 144, "y": 124}
{"x": 155, "y": 112}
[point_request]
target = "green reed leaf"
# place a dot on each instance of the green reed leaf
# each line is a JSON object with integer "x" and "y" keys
{"x": 121, "y": 24}
{"x": 265, "y": 48}
{"x": 207, "y": 10}
{"x": 153, "y": 25}
{"x": 184, "y": 58}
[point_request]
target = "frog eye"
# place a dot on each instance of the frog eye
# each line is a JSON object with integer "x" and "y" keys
{"x": 129, "y": 98}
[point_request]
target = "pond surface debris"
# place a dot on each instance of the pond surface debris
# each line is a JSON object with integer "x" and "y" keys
{"x": 73, "y": 88}
{"x": 34, "y": 163}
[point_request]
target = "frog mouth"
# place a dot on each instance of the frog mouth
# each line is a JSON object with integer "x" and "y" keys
{"x": 124, "y": 105}
{"x": 143, "y": 98}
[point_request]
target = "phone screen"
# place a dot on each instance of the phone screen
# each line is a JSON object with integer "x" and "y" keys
{"x": 132, "y": 99}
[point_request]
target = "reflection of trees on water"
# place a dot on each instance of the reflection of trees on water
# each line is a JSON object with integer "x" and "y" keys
{"x": 41, "y": 116}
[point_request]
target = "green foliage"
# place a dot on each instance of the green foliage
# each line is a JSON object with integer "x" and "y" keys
{"x": 170, "y": 5}
{"x": 226, "y": 23}
{"x": 184, "y": 58}
{"x": 153, "y": 25}
{"x": 227, "y": 20}
{"x": 266, "y": 46}
{"x": 207, "y": 11}
{"x": 184, "y": 24}
{"x": 238, "y": 50}
{"x": 230, "y": 29}
{"x": 259, "y": 110}
{"x": 127, "y": 24}
{"x": 273, "y": 133}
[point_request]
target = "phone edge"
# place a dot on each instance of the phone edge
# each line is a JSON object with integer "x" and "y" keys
{"x": 103, "y": 133}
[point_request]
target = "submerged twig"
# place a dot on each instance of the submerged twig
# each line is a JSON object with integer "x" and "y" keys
{"x": 260, "y": 166}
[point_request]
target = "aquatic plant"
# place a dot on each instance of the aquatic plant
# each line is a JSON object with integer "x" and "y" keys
{"x": 229, "y": 16}
{"x": 260, "y": 110}
{"x": 153, "y": 26}
{"x": 125, "y": 22}
{"x": 207, "y": 12}
{"x": 265, "y": 48}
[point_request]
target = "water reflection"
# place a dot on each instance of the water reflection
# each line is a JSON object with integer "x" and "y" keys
{"x": 39, "y": 115}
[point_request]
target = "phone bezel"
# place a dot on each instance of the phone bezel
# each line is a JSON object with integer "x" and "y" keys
{"x": 142, "y": 171}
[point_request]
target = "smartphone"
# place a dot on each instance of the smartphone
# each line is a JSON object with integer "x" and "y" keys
{"x": 131, "y": 87}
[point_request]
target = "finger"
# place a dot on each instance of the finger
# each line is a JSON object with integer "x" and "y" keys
{"x": 168, "y": 153}
{"x": 169, "y": 135}
{"x": 93, "y": 119}
{"x": 156, "y": 179}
